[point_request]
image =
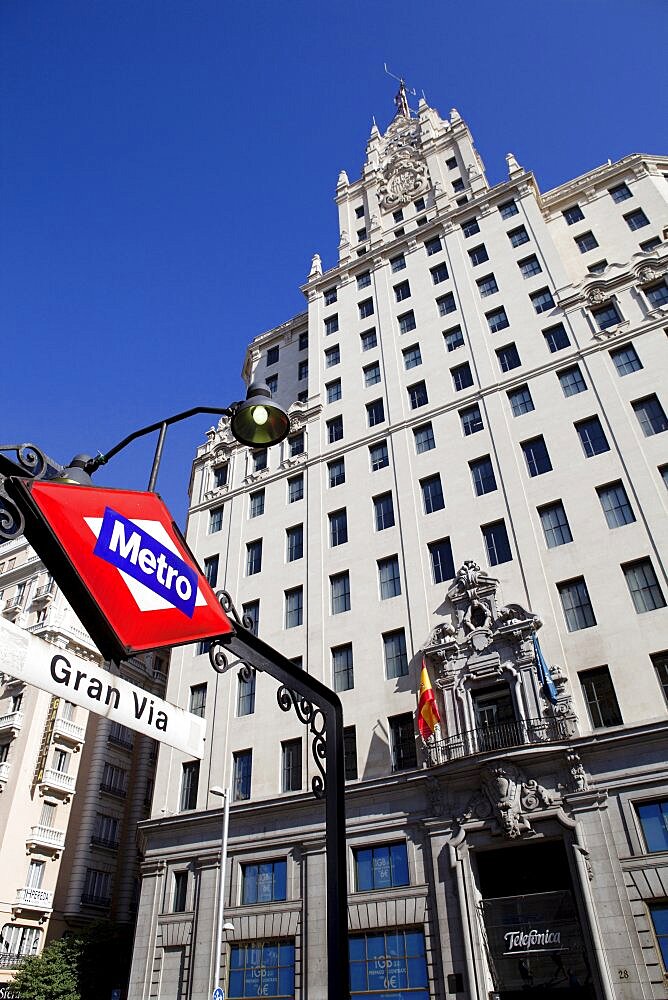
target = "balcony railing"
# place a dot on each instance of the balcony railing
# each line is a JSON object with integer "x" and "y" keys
{"x": 58, "y": 780}
{"x": 487, "y": 739}
{"x": 44, "y": 591}
{"x": 124, "y": 740}
{"x": 13, "y": 720}
{"x": 9, "y": 960}
{"x": 69, "y": 730}
{"x": 116, "y": 790}
{"x": 91, "y": 899}
{"x": 4, "y": 770}
{"x": 12, "y": 605}
{"x": 111, "y": 845}
{"x": 46, "y": 836}
{"x": 34, "y": 899}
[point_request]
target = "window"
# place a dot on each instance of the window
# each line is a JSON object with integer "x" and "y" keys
{"x": 378, "y": 456}
{"x": 114, "y": 780}
{"x": 295, "y": 542}
{"x": 660, "y": 661}
{"x": 496, "y": 542}
{"x": 571, "y": 381}
{"x": 453, "y": 338}
{"x": 417, "y": 395}
{"x": 487, "y": 285}
{"x": 439, "y": 273}
{"x": 636, "y": 220}
{"x": 105, "y": 828}
{"x": 600, "y": 698}
{"x": 556, "y": 338}
{"x": 350, "y": 753}
{"x": 650, "y": 415}
{"x": 577, "y": 607}
{"x": 398, "y": 216}
{"x": 432, "y": 493}
{"x": 294, "y": 607}
{"x": 342, "y": 667}
{"x": 368, "y": 339}
{"x": 478, "y": 254}
{"x": 461, "y": 376}
{"x": 419, "y": 205}
{"x": 412, "y": 356}
{"x": 189, "y": 784}
{"x": 363, "y": 280}
{"x": 470, "y": 227}
{"x": 615, "y": 504}
{"x": 381, "y": 868}
{"x": 402, "y": 739}
{"x": 653, "y": 818}
{"x": 373, "y": 954}
{"x": 573, "y": 214}
{"x": 330, "y": 296}
{"x": 198, "y": 700}
{"x": 518, "y": 236}
{"x": 471, "y": 419}
{"x": 389, "y": 579}
{"x": 256, "y": 503}
{"x": 520, "y": 401}
{"x": 265, "y": 965}
{"x": 336, "y": 472}
{"x": 451, "y": 164}
{"x": 592, "y": 437}
{"x": 253, "y": 557}
{"x": 383, "y": 511}
{"x": 272, "y": 355}
{"x": 245, "y": 693}
{"x": 375, "y": 412}
{"x": 220, "y": 476}
{"x": 251, "y": 611}
{"x": 302, "y": 395}
{"x": 259, "y": 459}
{"x": 507, "y": 209}
{"x": 19, "y": 941}
{"x": 331, "y": 324}
{"x": 406, "y": 322}
{"x": 338, "y": 527}
{"x": 291, "y": 769}
{"x": 263, "y": 882}
{"x": 365, "y": 308}
{"x": 396, "y": 659}
{"x": 371, "y": 374}
{"x": 303, "y": 341}
{"x": 606, "y": 316}
{"x": 643, "y": 586}
{"x": 302, "y": 370}
{"x": 446, "y": 304}
{"x": 619, "y": 193}
{"x": 334, "y": 429}
{"x": 597, "y": 268}
{"x": 542, "y": 300}
{"x": 61, "y": 758}
{"x": 361, "y": 234}
{"x": 402, "y": 291}
{"x": 211, "y": 570}
{"x": 296, "y": 488}
{"x": 458, "y": 185}
{"x": 482, "y": 474}
{"x": 339, "y": 589}
{"x": 242, "y": 766}
{"x": 442, "y": 564}
{"x": 508, "y": 357}
{"x": 4, "y": 752}
{"x": 555, "y": 524}
{"x": 397, "y": 263}
{"x": 96, "y": 887}
{"x": 333, "y": 390}
{"x": 332, "y": 356}
{"x": 657, "y": 294}
{"x": 497, "y": 319}
{"x": 648, "y": 245}
{"x": 536, "y": 456}
{"x": 271, "y": 383}
{"x": 586, "y": 242}
{"x": 180, "y": 892}
{"x": 424, "y": 438}
{"x": 215, "y": 520}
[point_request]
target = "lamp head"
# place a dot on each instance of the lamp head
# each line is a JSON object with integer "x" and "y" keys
{"x": 75, "y": 473}
{"x": 259, "y": 422}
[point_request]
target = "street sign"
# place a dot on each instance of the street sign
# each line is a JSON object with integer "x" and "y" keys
{"x": 218, "y": 994}
{"x": 122, "y": 563}
{"x": 66, "y": 675}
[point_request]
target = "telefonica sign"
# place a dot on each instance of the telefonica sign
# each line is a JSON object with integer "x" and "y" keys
{"x": 527, "y": 942}
{"x": 62, "y": 673}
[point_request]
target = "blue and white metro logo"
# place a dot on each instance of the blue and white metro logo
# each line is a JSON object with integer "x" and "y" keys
{"x": 137, "y": 553}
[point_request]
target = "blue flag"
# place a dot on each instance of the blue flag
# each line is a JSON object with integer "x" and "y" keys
{"x": 544, "y": 674}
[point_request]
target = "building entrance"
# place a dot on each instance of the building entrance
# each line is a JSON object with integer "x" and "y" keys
{"x": 535, "y": 941}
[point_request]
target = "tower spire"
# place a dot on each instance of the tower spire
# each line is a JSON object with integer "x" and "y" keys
{"x": 401, "y": 100}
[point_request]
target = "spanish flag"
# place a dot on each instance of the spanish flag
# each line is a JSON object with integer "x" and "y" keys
{"x": 427, "y": 712}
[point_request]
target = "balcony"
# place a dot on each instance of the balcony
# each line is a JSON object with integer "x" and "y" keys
{"x": 46, "y": 837}
{"x": 42, "y": 594}
{"x": 117, "y": 790}
{"x": 12, "y": 722}
{"x": 4, "y": 771}
{"x": 13, "y": 605}
{"x": 40, "y": 900}
{"x": 121, "y": 739}
{"x": 57, "y": 781}
{"x": 69, "y": 732}
{"x": 507, "y": 736}
{"x": 109, "y": 845}
{"x": 91, "y": 899}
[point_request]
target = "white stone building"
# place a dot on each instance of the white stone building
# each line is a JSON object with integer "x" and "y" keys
{"x": 478, "y": 452}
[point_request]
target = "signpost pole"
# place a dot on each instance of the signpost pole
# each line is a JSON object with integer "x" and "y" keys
{"x": 220, "y": 925}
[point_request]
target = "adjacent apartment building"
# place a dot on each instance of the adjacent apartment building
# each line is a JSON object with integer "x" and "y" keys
{"x": 73, "y": 785}
{"x": 476, "y": 479}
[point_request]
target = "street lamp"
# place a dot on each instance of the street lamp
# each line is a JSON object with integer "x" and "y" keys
{"x": 221, "y": 926}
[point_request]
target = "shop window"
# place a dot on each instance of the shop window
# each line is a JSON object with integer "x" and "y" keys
{"x": 262, "y": 968}
{"x": 659, "y": 915}
{"x": 387, "y": 964}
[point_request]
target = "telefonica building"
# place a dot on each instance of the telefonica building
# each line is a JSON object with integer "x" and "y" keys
{"x": 475, "y": 482}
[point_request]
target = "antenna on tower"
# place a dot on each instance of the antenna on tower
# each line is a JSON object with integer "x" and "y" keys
{"x": 401, "y": 100}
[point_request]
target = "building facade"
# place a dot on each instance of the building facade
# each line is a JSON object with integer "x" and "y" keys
{"x": 475, "y": 480}
{"x": 73, "y": 785}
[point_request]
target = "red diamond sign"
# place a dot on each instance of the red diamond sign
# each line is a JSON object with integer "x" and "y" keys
{"x": 123, "y": 565}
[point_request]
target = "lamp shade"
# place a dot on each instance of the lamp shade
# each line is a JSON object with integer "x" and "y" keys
{"x": 258, "y": 421}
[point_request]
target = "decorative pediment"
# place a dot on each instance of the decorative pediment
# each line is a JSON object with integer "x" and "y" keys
{"x": 505, "y": 800}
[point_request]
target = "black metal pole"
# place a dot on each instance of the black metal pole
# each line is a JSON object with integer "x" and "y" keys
{"x": 157, "y": 458}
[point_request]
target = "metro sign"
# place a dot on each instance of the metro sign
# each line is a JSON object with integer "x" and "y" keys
{"x": 123, "y": 565}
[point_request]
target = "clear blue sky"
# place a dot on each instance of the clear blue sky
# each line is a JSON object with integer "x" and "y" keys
{"x": 168, "y": 168}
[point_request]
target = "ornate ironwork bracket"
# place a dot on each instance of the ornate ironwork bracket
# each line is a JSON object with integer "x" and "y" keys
{"x": 312, "y": 717}
{"x": 31, "y": 463}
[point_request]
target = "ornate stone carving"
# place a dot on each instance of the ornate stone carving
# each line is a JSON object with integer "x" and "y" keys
{"x": 505, "y": 798}
{"x": 578, "y": 776}
{"x": 597, "y": 296}
{"x": 649, "y": 273}
{"x": 316, "y": 266}
{"x": 403, "y": 171}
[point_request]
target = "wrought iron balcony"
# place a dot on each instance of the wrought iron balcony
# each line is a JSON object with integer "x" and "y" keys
{"x": 13, "y": 721}
{"x": 121, "y": 739}
{"x": 487, "y": 739}
{"x": 91, "y": 899}
{"x": 9, "y": 960}
{"x": 14, "y": 604}
{"x": 111, "y": 845}
{"x": 46, "y": 836}
{"x": 45, "y": 591}
{"x": 70, "y": 731}
{"x": 57, "y": 781}
{"x": 116, "y": 790}
{"x": 33, "y": 899}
